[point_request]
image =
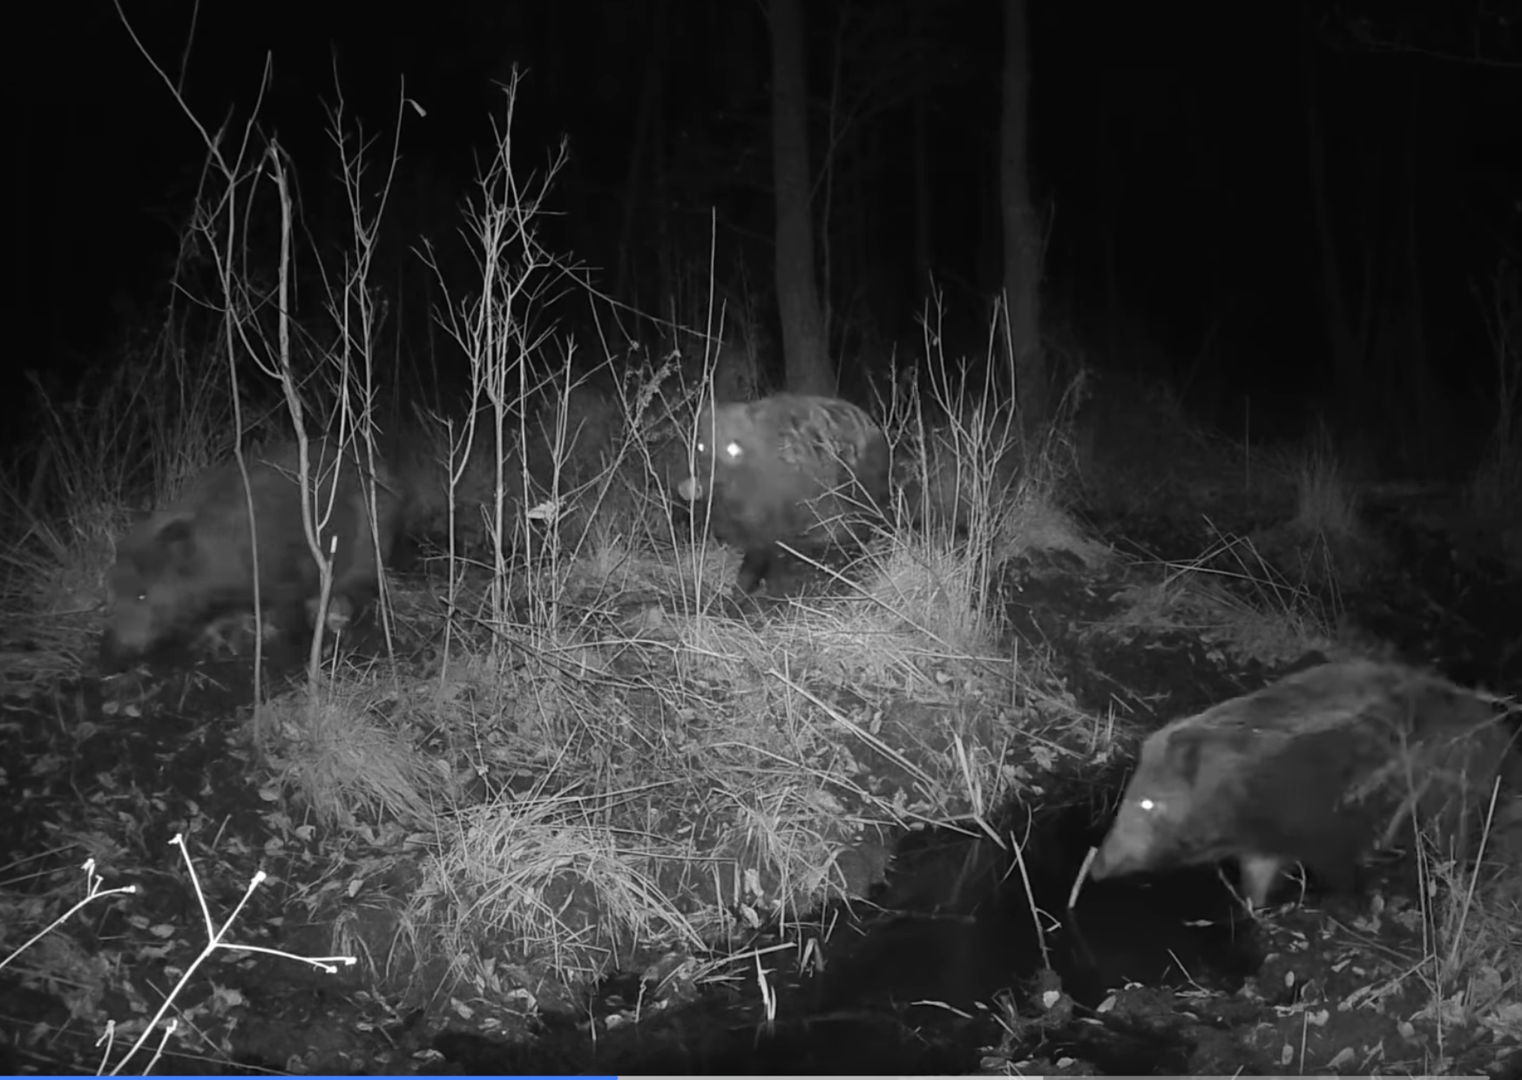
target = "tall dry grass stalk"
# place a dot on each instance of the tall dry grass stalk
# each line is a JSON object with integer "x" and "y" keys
{"x": 978, "y": 485}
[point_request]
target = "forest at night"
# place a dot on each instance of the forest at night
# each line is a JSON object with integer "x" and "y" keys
{"x": 772, "y": 537}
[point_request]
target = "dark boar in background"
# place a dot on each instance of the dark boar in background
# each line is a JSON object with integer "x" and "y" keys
{"x": 810, "y": 472}
{"x": 185, "y": 568}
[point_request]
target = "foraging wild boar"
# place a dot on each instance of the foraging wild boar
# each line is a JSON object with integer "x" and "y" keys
{"x": 184, "y": 568}
{"x": 1319, "y": 768}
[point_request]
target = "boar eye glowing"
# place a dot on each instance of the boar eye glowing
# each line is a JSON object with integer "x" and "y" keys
{"x": 702, "y": 447}
{"x": 1148, "y": 804}
{"x": 734, "y": 450}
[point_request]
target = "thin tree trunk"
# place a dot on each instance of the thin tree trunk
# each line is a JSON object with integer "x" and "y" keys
{"x": 803, "y": 339}
{"x": 1419, "y": 382}
{"x": 645, "y": 145}
{"x": 1111, "y": 194}
{"x": 922, "y": 243}
{"x": 1345, "y": 341}
{"x": 1022, "y": 226}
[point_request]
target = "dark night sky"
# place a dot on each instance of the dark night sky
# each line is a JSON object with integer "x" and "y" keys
{"x": 1170, "y": 147}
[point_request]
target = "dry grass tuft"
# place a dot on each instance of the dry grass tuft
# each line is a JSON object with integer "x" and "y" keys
{"x": 345, "y": 758}
{"x": 1231, "y": 596}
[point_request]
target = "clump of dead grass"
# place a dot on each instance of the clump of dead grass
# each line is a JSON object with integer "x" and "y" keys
{"x": 542, "y": 877}
{"x": 929, "y": 586}
{"x": 1322, "y": 539}
{"x": 980, "y": 486}
{"x": 344, "y": 756}
{"x": 1328, "y": 541}
{"x": 1232, "y": 597}
{"x": 115, "y": 441}
{"x": 646, "y": 777}
{"x": 1467, "y": 917}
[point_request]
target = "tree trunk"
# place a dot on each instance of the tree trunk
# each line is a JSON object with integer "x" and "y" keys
{"x": 1022, "y": 227}
{"x": 1346, "y": 327}
{"x": 922, "y": 211}
{"x": 1111, "y": 198}
{"x": 647, "y": 144}
{"x": 803, "y": 337}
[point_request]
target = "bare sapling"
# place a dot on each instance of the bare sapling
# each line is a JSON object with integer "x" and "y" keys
{"x": 496, "y": 327}
{"x": 221, "y": 221}
{"x": 351, "y": 363}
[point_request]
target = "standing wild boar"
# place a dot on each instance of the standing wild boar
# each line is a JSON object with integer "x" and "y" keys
{"x": 1319, "y": 768}
{"x": 185, "y": 567}
{"x": 790, "y": 468}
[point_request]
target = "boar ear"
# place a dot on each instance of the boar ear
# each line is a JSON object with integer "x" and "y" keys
{"x": 1184, "y": 750}
{"x": 177, "y": 539}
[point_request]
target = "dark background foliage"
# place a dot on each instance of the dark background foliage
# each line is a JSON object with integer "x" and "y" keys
{"x": 1191, "y": 233}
